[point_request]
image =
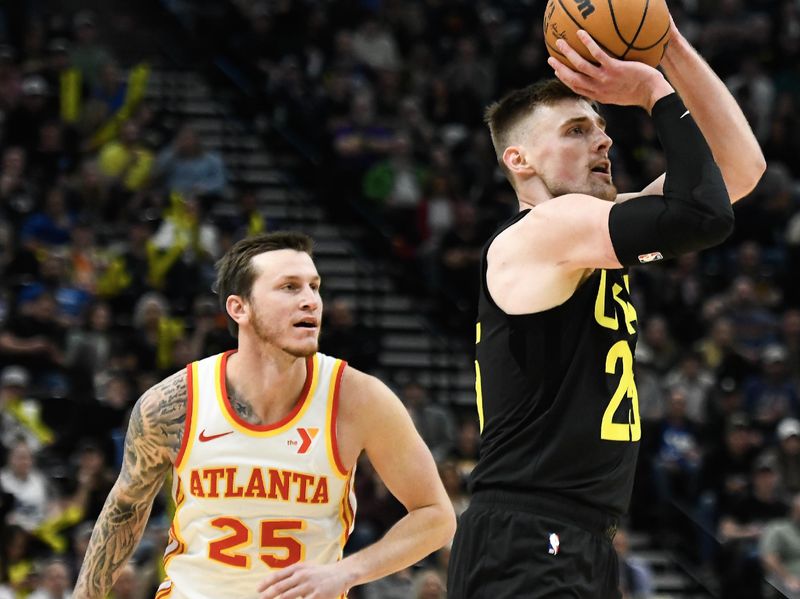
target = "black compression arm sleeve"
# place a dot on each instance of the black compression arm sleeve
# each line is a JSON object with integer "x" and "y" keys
{"x": 695, "y": 211}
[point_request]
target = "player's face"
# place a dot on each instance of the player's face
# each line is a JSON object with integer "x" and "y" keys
{"x": 569, "y": 149}
{"x": 285, "y": 308}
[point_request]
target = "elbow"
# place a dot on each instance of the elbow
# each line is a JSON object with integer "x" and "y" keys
{"x": 447, "y": 524}
{"x": 748, "y": 177}
{"x": 718, "y": 228}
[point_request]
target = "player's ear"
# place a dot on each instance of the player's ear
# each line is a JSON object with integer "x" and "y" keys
{"x": 517, "y": 162}
{"x": 236, "y": 308}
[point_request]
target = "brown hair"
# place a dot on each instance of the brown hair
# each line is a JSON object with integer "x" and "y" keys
{"x": 502, "y": 116}
{"x": 235, "y": 271}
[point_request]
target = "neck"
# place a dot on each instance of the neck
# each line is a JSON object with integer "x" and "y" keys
{"x": 531, "y": 192}
{"x": 265, "y": 379}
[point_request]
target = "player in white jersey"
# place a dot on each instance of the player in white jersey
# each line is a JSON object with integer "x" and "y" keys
{"x": 262, "y": 444}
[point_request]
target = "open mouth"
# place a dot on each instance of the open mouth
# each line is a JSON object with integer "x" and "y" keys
{"x": 306, "y": 324}
{"x": 602, "y": 168}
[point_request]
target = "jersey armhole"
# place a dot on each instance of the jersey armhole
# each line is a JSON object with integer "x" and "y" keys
{"x": 333, "y": 414}
{"x": 191, "y": 415}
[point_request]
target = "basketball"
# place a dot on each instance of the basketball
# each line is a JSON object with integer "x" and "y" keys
{"x": 625, "y": 29}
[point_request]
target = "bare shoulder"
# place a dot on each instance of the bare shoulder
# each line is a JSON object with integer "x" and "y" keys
{"x": 546, "y": 246}
{"x": 159, "y": 416}
{"x": 360, "y": 390}
{"x": 366, "y": 402}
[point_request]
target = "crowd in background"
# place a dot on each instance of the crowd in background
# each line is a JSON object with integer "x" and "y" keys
{"x": 108, "y": 241}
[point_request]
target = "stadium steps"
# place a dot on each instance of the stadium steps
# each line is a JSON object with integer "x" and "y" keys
{"x": 408, "y": 343}
{"x": 669, "y": 580}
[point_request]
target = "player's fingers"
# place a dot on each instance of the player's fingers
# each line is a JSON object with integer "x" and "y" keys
{"x": 569, "y": 77}
{"x": 596, "y": 51}
{"x": 579, "y": 62}
{"x": 274, "y": 577}
{"x": 283, "y": 588}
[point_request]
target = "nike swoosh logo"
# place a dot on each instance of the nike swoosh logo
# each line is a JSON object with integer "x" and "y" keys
{"x": 204, "y": 438}
{"x": 684, "y": 114}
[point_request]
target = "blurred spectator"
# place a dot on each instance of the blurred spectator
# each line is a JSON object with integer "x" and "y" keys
{"x": 28, "y": 485}
{"x": 790, "y": 339}
{"x": 742, "y": 525}
{"x": 378, "y": 509}
{"x": 375, "y": 47}
{"x": 359, "y": 140}
{"x": 786, "y": 455}
{"x": 182, "y": 252}
{"x": 780, "y": 552}
{"x": 210, "y": 335}
{"x": 695, "y": 382}
{"x": 188, "y": 168}
{"x": 721, "y": 353}
{"x": 459, "y": 258}
{"x": 23, "y": 122}
{"x": 345, "y": 336}
{"x": 34, "y": 338}
{"x": 395, "y": 586}
{"x": 125, "y": 161}
{"x": 87, "y": 54}
{"x": 17, "y": 557}
{"x": 51, "y": 225}
{"x": 55, "y": 582}
{"x": 20, "y": 416}
{"x": 94, "y": 477}
{"x": 771, "y": 395}
{"x": 470, "y": 80}
{"x": 635, "y": 576}
{"x": 126, "y": 277}
{"x": 755, "y": 91}
{"x": 433, "y": 421}
{"x": 727, "y": 468}
{"x": 455, "y": 486}
{"x": 397, "y": 185}
{"x": 428, "y": 584}
{"x": 753, "y": 324}
{"x": 154, "y": 332}
{"x": 467, "y": 446}
{"x": 127, "y": 585}
{"x": 17, "y": 193}
{"x": 676, "y": 464}
{"x": 658, "y": 341}
{"x": 80, "y": 542}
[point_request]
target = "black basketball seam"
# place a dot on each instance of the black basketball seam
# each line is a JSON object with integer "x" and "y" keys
{"x": 639, "y": 30}
{"x": 616, "y": 28}
{"x": 658, "y": 41}
{"x": 566, "y": 11}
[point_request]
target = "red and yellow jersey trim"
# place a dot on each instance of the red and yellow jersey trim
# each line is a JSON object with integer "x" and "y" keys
{"x": 191, "y": 415}
{"x": 176, "y": 544}
{"x": 266, "y": 430}
{"x": 346, "y": 513}
{"x": 164, "y": 589}
{"x": 331, "y": 417}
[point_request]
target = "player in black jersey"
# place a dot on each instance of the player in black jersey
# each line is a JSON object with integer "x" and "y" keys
{"x": 556, "y": 331}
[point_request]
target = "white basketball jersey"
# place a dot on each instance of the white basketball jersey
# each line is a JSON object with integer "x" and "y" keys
{"x": 250, "y": 498}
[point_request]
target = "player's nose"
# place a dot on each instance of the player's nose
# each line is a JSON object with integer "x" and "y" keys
{"x": 603, "y": 141}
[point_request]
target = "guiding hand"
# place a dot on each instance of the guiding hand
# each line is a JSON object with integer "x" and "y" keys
{"x": 304, "y": 581}
{"x": 610, "y": 81}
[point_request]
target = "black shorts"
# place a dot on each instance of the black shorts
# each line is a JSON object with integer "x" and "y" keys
{"x": 519, "y": 546}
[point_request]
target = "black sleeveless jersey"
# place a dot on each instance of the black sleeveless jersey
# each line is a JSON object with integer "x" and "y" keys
{"x": 557, "y": 402}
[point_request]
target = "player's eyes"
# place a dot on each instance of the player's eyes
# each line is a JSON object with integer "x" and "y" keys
{"x": 578, "y": 130}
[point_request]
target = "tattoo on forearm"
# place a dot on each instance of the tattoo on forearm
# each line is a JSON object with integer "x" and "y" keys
{"x": 151, "y": 444}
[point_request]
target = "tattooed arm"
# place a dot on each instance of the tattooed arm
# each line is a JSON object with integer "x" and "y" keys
{"x": 151, "y": 445}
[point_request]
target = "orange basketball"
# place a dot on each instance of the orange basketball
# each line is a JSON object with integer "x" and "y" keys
{"x": 626, "y": 29}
